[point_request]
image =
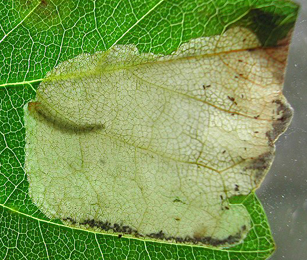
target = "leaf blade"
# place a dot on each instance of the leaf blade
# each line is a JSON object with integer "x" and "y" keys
{"x": 28, "y": 61}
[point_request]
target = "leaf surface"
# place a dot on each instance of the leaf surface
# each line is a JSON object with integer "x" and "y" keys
{"x": 41, "y": 37}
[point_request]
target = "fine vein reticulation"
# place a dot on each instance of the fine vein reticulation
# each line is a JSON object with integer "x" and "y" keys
{"x": 153, "y": 123}
{"x": 154, "y": 146}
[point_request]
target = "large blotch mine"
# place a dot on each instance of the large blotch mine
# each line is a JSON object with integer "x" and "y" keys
{"x": 154, "y": 146}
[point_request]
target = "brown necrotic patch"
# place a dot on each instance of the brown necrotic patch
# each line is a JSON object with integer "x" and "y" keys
{"x": 284, "y": 113}
{"x": 44, "y": 3}
{"x": 198, "y": 238}
{"x": 260, "y": 166}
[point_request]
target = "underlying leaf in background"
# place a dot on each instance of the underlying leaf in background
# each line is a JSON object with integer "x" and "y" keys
{"x": 35, "y": 36}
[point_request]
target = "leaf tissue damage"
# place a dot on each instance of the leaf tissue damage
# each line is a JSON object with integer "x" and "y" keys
{"x": 154, "y": 146}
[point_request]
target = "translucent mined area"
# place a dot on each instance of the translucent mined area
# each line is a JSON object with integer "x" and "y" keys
{"x": 154, "y": 146}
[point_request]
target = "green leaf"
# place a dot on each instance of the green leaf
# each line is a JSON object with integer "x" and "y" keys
{"x": 37, "y": 36}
